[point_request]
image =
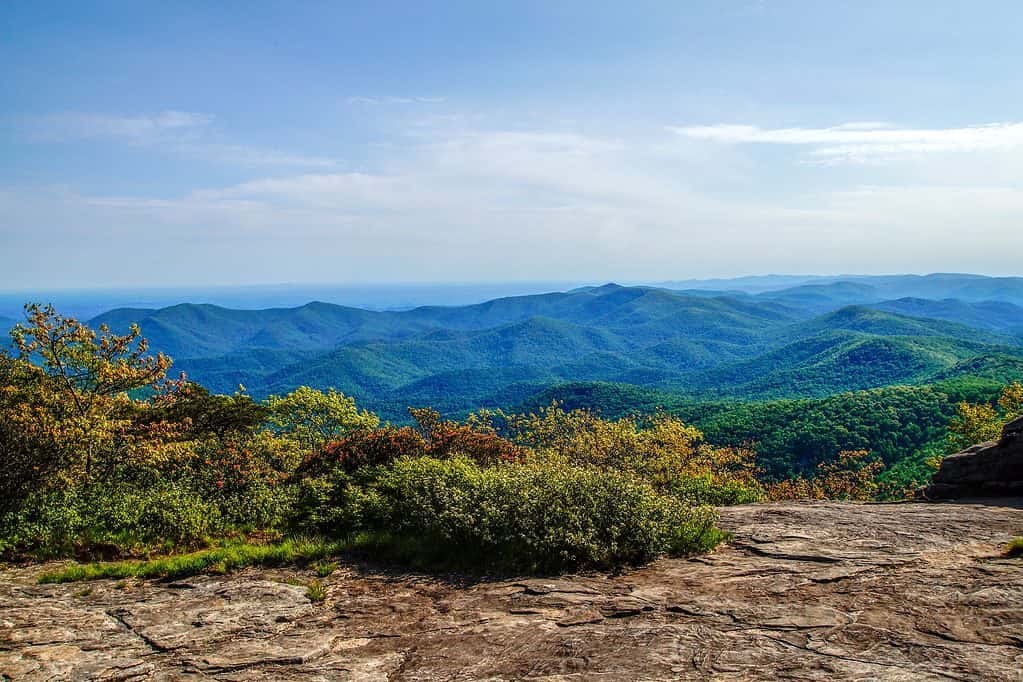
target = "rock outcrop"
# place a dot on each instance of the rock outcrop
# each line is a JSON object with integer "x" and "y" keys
{"x": 992, "y": 469}
{"x": 805, "y": 591}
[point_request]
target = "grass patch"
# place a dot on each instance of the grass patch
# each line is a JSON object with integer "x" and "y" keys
{"x": 325, "y": 568}
{"x": 316, "y": 591}
{"x": 1014, "y": 548}
{"x": 217, "y": 560}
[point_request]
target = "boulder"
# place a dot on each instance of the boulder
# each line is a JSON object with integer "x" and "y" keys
{"x": 991, "y": 469}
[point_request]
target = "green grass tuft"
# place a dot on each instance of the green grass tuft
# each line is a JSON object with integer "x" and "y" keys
{"x": 217, "y": 560}
{"x": 316, "y": 591}
{"x": 325, "y": 568}
{"x": 1014, "y": 548}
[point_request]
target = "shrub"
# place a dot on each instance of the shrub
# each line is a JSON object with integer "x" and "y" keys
{"x": 245, "y": 477}
{"x": 173, "y": 514}
{"x": 534, "y": 516}
{"x": 1014, "y": 548}
{"x": 708, "y": 489}
{"x": 314, "y": 418}
{"x": 661, "y": 449}
{"x": 476, "y": 439}
{"x": 367, "y": 449}
{"x": 111, "y": 519}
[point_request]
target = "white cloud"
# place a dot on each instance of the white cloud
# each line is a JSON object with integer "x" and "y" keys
{"x": 864, "y": 125}
{"x": 183, "y": 133}
{"x": 867, "y": 141}
{"x": 501, "y": 204}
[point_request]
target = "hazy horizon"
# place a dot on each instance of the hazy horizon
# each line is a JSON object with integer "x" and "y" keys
{"x": 88, "y": 302}
{"x": 590, "y": 281}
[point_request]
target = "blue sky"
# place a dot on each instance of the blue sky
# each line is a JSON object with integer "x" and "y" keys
{"x": 228, "y": 143}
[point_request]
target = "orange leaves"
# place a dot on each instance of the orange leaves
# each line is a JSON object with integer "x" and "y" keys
{"x": 371, "y": 448}
{"x": 852, "y": 475}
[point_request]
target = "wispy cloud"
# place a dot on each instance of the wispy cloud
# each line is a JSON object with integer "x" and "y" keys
{"x": 184, "y": 133}
{"x": 243, "y": 155}
{"x": 395, "y": 100}
{"x": 505, "y": 202}
{"x": 138, "y": 128}
{"x": 866, "y": 141}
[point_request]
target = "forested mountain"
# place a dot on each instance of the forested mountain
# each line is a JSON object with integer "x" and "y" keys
{"x": 992, "y": 315}
{"x": 791, "y": 435}
{"x": 809, "y": 340}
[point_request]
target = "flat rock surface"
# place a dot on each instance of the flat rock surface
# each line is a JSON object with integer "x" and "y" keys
{"x": 806, "y": 591}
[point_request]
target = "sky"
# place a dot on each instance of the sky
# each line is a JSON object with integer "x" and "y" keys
{"x": 229, "y": 143}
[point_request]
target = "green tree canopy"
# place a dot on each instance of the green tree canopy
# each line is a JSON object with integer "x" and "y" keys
{"x": 314, "y": 418}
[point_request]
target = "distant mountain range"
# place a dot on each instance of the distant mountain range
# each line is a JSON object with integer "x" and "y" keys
{"x": 811, "y": 339}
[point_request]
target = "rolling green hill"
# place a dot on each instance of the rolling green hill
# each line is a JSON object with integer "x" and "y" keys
{"x": 866, "y": 320}
{"x": 801, "y": 369}
{"x": 811, "y": 340}
{"x": 988, "y": 315}
{"x": 860, "y": 289}
{"x": 195, "y": 331}
{"x": 837, "y": 361}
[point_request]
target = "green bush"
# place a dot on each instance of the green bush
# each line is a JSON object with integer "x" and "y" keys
{"x": 707, "y": 489}
{"x": 111, "y": 520}
{"x": 532, "y": 517}
{"x": 337, "y": 503}
{"x": 174, "y": 514}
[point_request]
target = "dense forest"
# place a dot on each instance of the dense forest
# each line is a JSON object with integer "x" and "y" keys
{"x": 106, "y": 457}
{"x": 904, "y": 426}
{"x": 807, "y": 341}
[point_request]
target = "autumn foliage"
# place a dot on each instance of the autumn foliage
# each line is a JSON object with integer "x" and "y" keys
{"x": 852, "y": 475}
{"x": 103, "y": 454}
{"x": 980, "y": 422}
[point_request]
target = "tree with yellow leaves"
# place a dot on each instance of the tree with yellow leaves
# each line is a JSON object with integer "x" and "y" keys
{"x": 980, "y": 422}
{"x": 80, "y": 376}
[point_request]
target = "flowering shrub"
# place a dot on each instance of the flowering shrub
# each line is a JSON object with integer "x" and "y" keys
{"x": 476, "y": 439}
{"x": 370, "y": 448}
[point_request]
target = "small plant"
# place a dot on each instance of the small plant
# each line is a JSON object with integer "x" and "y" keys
{"x": 223, "y": 559}
{"x": 316, "y": 591}
{"x": 84, "y": 593}
{"x": 324, "y": 568}
{"x": 1014, "y": 548}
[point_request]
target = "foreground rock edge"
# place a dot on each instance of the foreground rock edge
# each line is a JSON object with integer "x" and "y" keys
{"x": 805, "y": 591}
